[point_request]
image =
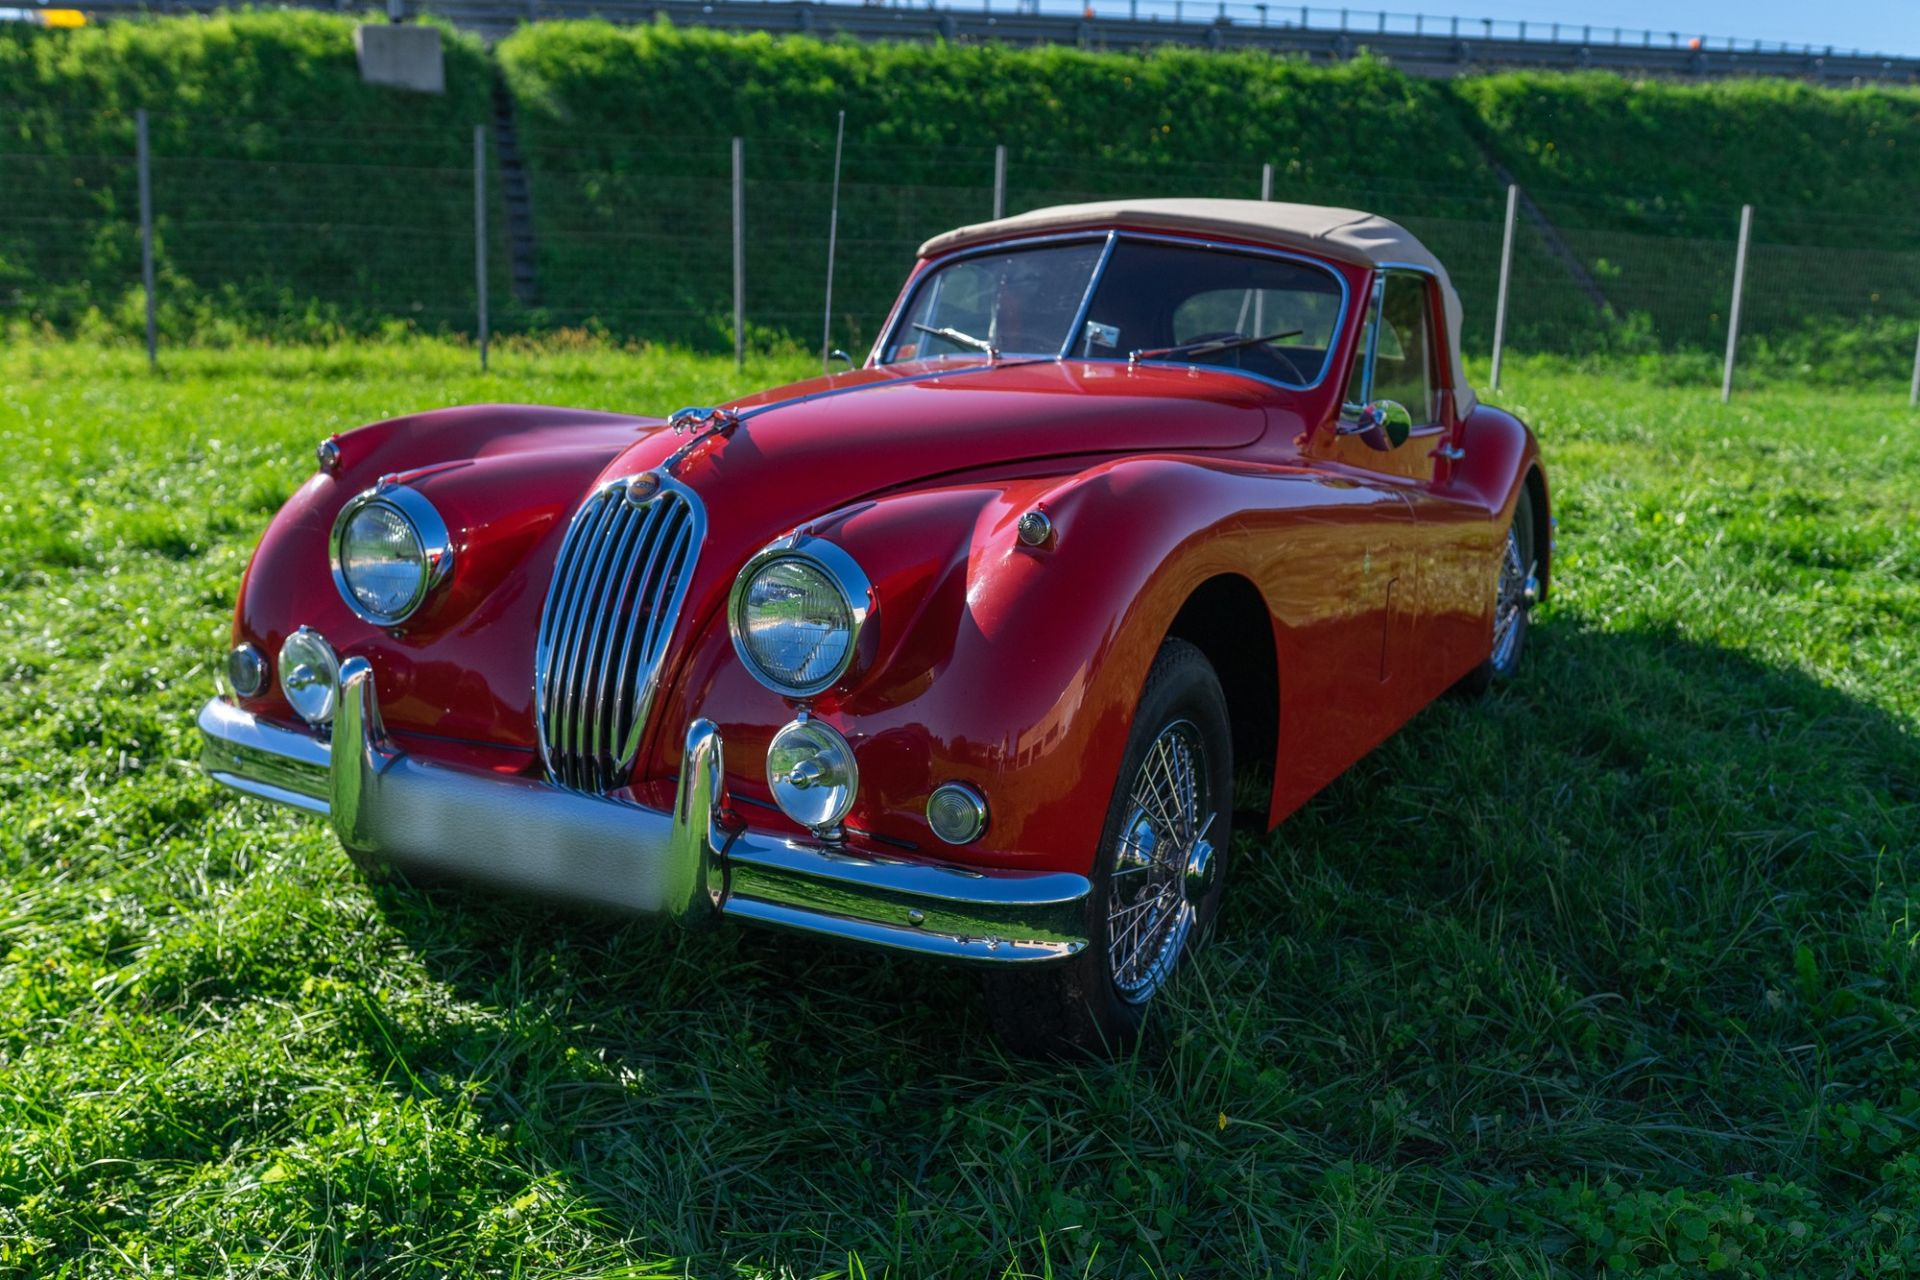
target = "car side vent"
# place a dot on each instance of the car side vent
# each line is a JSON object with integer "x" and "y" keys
{"x": 618, "y": 585}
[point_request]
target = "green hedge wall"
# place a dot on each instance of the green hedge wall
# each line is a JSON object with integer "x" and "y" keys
{"x": 257, "y": 118}
{"x": 627, "y": 129}
{"x": 292, "y": 198}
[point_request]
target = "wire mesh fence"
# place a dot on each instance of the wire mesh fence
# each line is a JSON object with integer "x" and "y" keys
{"x": 289, "y": 229}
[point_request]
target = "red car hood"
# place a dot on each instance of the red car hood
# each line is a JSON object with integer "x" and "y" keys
{"x": 852, "y": 434}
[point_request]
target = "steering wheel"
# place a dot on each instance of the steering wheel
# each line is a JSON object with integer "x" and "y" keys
{"x": 1266, "y": 349}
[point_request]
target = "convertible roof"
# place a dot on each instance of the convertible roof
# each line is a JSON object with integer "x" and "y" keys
{"x": 1347, "y": 235}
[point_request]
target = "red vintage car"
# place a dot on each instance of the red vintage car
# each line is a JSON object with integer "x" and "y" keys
{"x": 1135, "y": 508}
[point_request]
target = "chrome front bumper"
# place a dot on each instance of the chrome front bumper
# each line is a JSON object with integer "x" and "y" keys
{"x": 687, "y": 864}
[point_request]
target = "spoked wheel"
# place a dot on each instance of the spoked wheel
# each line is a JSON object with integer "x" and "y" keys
{"x": 1165, "y": 853}
{"x": 1514, "y": 589}
{"x": 1157, "y": 879}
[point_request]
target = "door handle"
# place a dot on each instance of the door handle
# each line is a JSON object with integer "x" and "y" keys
{"x": 1452, "y": 453}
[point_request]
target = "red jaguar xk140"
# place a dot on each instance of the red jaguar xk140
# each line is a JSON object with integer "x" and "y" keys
{"x": 957, "y": 654}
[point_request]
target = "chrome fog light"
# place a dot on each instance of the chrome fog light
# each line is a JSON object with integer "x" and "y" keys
{"x": 309, "y": 675}
{"x": 812, "y": 774}
{"x": 246, "y": 670}
{"x": 957, "y": 813}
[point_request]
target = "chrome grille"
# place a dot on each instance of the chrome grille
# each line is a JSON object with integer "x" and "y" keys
{"x": 618, "y": 584}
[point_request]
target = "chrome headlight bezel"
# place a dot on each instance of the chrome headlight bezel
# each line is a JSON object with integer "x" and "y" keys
{"x": 429, "y": 532}
{"x": 840, "y": 569}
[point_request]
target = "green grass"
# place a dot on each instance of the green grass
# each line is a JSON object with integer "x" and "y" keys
{"x": 1614, "y": 969}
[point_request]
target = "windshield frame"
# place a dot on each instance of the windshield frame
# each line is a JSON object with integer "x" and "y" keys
{"x": 1108, "y": 239}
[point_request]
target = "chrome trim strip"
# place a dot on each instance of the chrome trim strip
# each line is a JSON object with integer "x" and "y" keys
{"x": 689, "y": 864}
{"x": 923, "y": 881}
{"x": 290, "y": 761}
{"x": 267, "y": 791}
{"x": 905, "y": 938}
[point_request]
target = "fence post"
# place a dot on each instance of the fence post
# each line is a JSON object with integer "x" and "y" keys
{"x": 833, "y": 239}
{"x": 739, "y": 253}
{"x": 999, "y": 182}
{"x": 1913, "y": 392}
{"x": 1733, "y": 316}
{"x": 1266, "y": 181}
{"x": 143, "y": 158}
{"x": 480, "y": 235}
{"x": 1506, "y": 277}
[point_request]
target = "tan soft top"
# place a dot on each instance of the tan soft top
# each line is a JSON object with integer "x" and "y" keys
{"x": 1347, "y": 235}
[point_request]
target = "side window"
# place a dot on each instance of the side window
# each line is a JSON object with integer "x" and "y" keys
{"x": 1403, "y": 358}
{"x": 1403, "y": 366}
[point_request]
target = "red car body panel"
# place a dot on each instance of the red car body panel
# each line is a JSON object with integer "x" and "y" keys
{"x": 1012, "y": 667}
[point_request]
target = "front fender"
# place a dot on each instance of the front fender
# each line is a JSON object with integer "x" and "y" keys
{"x": 1014, "y": 668}
{"x": 504, "y": 478}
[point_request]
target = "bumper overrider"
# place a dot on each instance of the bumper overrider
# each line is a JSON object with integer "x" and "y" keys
{"x": 689, "y": 864}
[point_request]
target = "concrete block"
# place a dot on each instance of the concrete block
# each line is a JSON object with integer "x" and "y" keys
{"x": 401, "y": 56}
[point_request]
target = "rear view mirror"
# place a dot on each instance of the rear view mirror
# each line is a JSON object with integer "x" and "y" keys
{"x": 1382, "y": 424}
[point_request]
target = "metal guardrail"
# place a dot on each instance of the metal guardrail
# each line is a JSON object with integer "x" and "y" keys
{"x": 1417, "y": 43}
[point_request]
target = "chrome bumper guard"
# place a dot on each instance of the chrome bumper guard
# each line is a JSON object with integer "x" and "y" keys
{"x": 687, "y": 864}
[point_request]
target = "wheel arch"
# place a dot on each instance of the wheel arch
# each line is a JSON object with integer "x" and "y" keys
{"x": 1227, "y": 619}
{"x": 1542, "y": 519}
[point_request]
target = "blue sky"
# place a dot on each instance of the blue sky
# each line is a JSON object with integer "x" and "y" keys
{"x": 1885, "y": 26}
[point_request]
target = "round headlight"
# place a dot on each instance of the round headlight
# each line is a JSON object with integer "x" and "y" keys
{"x": 390, "y": 547}
{"x": 796, "y": 612}
{"x": 309, "y": 675}
{"x": 812, "y": 775}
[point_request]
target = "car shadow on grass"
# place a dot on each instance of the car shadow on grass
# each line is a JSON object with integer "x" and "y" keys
{"x": 1641, "y": 914}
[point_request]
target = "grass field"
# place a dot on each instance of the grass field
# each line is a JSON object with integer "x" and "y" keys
{"x": 1615, "y": 969}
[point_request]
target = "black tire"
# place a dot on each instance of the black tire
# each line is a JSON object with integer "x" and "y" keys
{"x": 1517, "y": 546}
{"x": 1077, "y": 1008}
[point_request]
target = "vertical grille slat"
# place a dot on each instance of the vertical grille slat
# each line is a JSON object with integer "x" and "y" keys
{"x": 566, "y": 705}
{"x": 620, "y": 579}
{"x": 598, "y": 682}
{"x": 649, "y": 649}
{"x": 619, "y": 536}
{"x": 562, "y": 594}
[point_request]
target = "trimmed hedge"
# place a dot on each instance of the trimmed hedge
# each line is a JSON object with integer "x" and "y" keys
{"x": 256, "y": 117}
{"x": 261, "y": 118}
{"x": 627, "y": 130}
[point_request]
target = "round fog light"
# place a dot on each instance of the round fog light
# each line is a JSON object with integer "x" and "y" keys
{"x": 957, "y": 813}
{"x": 309, "y": 675}
{"x": 246, "y": 670}
{"x": 812, "y": 775}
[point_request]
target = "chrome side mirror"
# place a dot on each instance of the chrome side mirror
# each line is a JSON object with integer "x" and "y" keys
{"x": 838, "y": 354}
{"x": 1381, "y": 424}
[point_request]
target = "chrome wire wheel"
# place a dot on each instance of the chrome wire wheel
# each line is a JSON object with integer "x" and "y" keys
{"x": 1163, "y": 864}
{"x": 1511, "y": 598}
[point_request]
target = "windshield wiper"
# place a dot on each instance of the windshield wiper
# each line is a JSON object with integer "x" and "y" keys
{"x": 1212, "y": 346}
{"x": 958, "y": 338}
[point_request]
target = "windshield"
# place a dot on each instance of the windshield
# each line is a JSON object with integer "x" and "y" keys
{"x": 1155, "y": 301}
{"x": 1022, "y": 302}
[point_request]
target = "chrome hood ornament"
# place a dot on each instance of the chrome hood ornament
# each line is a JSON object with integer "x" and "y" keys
{"x": 704, "y": 425}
